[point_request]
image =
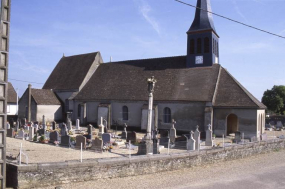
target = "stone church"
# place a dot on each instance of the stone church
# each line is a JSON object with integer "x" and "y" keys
{"x": 193, "y": 89}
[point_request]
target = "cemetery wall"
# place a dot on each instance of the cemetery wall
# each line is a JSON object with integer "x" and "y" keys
{"x": 44, "y": 174}
{"x": 51, "y": 112}
{"x": 247, "y": 122}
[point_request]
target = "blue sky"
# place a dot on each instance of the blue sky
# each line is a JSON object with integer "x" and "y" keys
{"x": 42, "y": 30}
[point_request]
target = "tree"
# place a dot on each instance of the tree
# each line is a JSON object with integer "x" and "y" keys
{"x": 274, "y": 99}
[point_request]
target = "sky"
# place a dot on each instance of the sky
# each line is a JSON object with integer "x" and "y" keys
{"x": 43, "y": 30}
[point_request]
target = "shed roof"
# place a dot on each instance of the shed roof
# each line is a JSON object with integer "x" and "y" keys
{"x": 45, "y": 97}
{"x": 12, "y": 95}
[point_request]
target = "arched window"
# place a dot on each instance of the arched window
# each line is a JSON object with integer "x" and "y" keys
{"x": 167, "y": 115}
{"x": 192, "y": 46}
{"x": 199, "y": 45}
{"x": 206, "y": 45}
{"x": 79, "y": 110}
{"x": 125, "y": 113}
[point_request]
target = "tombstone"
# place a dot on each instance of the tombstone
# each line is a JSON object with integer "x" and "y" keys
{"x": 164, "y": 141}
{"x": 97, "y": 145}
{"x": 124, "y": 132}
{"x": 21, "y": 134}
{"x": 53, "y": 125}
{"x": 253, "y": 139}
{"x": 279, "y": 125}
{"x": 164, "y": 133}
{"x": 65, "y": 140}
{"x": 8, "y": 125}
{"x": 106, "y": 137}
{"x": 172, "y": 132}
{"x": 80, "y": 139}
{"x": 69, "y": 125}
{"x": 89, "y": 132}
{"x": 10, "y": 133}
{"x": 101, "y": 127}
{"x": 53, "y": 136}
{"x": 44, "y": 123}
{"x": 191, "y": 143}
{"x": 155, "y": 146}
{"x": 31, "y": 133}
{"x": 77, "y": 124}
{"x": 209, "y": 136}
{"x": 132, "y": 136}
{"x": 18, "y": 125}
{"x": 36, "y": 128}
{"x": 63, "y": 130}
{"x": 41, "y": 132}
{"x": 197, "y": 138}
{"x": 237, "y": 137}
{"x": 264, "y": 136}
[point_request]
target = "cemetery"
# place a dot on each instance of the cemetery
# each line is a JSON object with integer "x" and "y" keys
{"x": 54, "y": 148}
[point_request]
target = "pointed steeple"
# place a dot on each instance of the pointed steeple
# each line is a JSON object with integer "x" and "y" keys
{"x": 203, "y": 20}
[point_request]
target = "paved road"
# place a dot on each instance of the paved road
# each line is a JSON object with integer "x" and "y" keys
{"x": 263, "y": 171}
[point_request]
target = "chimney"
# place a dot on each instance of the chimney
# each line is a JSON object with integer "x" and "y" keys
{"x": 29, "y": 102}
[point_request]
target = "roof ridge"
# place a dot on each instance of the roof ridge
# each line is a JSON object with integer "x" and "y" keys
{"x": 148, "y": 59}
{"x": 80, "y": 54}
{"x": 250, "y": 96}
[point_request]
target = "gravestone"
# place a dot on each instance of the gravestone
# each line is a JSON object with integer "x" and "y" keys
{"x": 279, "y": 124}
{"x": 132, "y": 136}
{"x": 237, "y": 137}
{"x": 63, "y": 130}
{"x": 18, "y": 125}
{"x": 80, "y": 139}
{"x": 97, "y": 145}
{"x": 197, "y": 138}
{"x": 21, "y": 134}
{"x": 106, "y": 137}
{"x": 164, "y": 141}
{"x": 264, "y": 136}
{"x": 89, "y": 132}
{"x": 31, "y": 133}
{"x": 8, "y": 125}
{"x": 53, "y": 125}
{"x": 191, "y": 143}
{"x": 41, "y": 132}
{"x": 209, "y": 136}
{"x": 101, "y": 127}
{"x": 164, "y": 133}
{"x": 10, "y": 133}
{"x": 77, "y": 124}
{"x": 65, "y": 140}
{"x": 155, "y": 146}
{"x": 124, "y": 132}
{"x": 53, "y": 136}
{"x": 253, "y": 139}
{"x": 69, "y": 125}
{"x": 173, "y": 132}
{"x": 44, "y": 123}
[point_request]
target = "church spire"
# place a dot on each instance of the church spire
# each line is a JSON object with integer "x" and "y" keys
{"x": 203, "y": 20}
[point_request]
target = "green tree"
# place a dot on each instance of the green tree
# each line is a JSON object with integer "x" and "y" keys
{"x": 274, "y": 99}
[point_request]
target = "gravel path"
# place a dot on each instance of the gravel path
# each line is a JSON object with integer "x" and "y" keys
{"x": 255, "y": 172}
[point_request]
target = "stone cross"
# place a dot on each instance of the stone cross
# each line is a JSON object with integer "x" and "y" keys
{"x": 63, "y": 130}
{"x": 124, "y": 132}
{"x": 173, "y": 132}
{"x": 197, "y": 138}
{"x": 101, "y": 127}
{"x": 209, "y": 135}
{"x": 191, "y": 143}
{"x": 77, "y": 124}
{"x": 44, "y": 122}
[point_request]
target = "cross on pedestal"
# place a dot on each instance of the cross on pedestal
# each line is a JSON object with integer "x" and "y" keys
{"x": 173, "y": 123}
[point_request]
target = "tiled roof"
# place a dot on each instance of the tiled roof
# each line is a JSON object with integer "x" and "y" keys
{"x": 70, "y": 72}
{"x": 12, "y": 95}
{"x": 45, "y": 97}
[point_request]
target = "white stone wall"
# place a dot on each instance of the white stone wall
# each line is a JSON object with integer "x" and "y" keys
{"x": 51, "y": 112}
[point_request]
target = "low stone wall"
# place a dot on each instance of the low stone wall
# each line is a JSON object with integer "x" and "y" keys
{"x": 45, "y": 174}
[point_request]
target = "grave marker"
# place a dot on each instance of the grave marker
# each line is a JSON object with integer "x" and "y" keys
{"x": 31, "y": 133}
{"x": 173, "y": 132}
{"x": 191, "y": 143}
{"x": 97, "y": 145}
{"x": 132, "y": 136}
{"x": 124, "y": 132}
{"x": 197, "y": 138}
{"x": 209, "y": 136}
{"x": 80, "y": 139}
{"x": 53, "y": 136}
{"x": 65, "y": 140}
{"x": 106, "y": 137}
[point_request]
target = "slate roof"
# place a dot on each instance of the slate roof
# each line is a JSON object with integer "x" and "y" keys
{"x": 12, "y": 95}
{"x": 70, "y": 72}
{"x": 45, "y": 97}
{"x": 230, "y": 93}
{"x": 126, "y": 80}
{"x": 203, "y": 20}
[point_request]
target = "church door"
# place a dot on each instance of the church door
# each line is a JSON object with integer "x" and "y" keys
{"x": 232, "y": 124}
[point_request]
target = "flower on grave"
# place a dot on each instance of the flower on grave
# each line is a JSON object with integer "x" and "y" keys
{"x": 56, "y": 142}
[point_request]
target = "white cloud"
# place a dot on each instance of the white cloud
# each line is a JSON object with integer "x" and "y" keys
{"x": 145, "y": 10}
{"x": 238, "y": 11}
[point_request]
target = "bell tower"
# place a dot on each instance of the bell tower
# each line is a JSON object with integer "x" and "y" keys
{"x": 203, "y": 40}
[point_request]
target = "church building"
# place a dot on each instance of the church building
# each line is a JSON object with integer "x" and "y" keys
{"x": 193, "y": 89}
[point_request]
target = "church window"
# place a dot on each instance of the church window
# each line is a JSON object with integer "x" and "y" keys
{"x": 214, "y": 46}
{"x": 192, "y": 46}
{"x": 206, "y": 45}
{"x": 66, "y": 105}
{"x": 217, "y": 49}
{"x": 125, "y": 113}
{"x": 199, "y": 45}
{"x": 79, "y": 110}
{"x": 167, "y": 115}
